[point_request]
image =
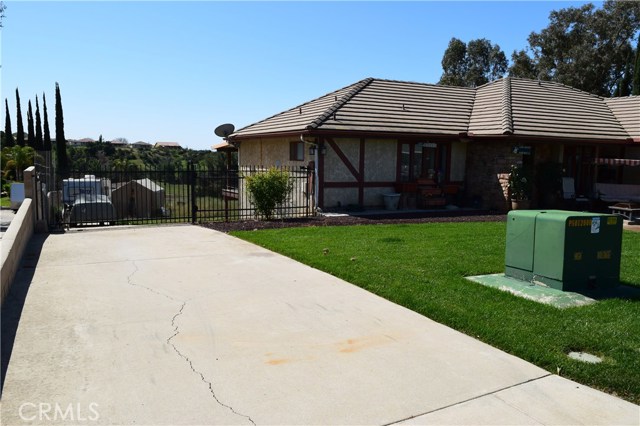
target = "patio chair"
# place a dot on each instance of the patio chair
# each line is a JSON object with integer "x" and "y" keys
{"x": 569, "y": 194}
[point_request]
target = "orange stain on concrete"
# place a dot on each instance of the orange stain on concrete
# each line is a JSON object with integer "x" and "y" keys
{"x": 277, "y": 361}
{"x": 356, "y": 345}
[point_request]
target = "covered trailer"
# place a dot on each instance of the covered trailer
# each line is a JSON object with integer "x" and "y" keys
{"x": 95, "y": 209}
{"x": 89, "y": 185}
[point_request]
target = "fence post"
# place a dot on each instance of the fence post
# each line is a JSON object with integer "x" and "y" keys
{"x": 225, "y": 198}
{"x": 192, "y": 191}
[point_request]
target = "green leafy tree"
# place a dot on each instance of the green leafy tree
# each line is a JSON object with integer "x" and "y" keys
{"x": 20, "y": 127}
{"x": 3, "y": 7}
{"x": 472, "y": 65}
{"x": 31, "y": 136}
{"x": 486, "y": 62}
{"x": 7, "y": 140}
{"x": 268, "y": 189}
{"x": 589, "y": 48}
{"x": 522, "y": 65}
{"x": 454, "y": 63}
{"x": 39, "y": 141}
{"x": 15, "y": 159}
{"x": 62, "y": 159}
{"x": 47, "y": 135}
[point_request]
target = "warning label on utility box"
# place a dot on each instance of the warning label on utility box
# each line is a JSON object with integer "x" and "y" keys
{"x": 595, "y": 225}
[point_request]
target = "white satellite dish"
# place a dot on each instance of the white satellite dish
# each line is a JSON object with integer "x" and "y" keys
{"x": 224, "y": 130}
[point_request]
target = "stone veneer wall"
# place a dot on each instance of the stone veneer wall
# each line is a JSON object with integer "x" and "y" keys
{"x": 488, "y": 165}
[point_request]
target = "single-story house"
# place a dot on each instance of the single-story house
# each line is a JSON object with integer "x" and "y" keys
{"x": 141, "y": 144}
{"x": 80, "y": 142}
{"x": 444, "y": 144}
{"x": 141, "y": 198}
{"x": 172, "y": 145}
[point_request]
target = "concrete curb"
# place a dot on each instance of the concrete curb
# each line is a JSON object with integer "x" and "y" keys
{"x": 14, "y": 242}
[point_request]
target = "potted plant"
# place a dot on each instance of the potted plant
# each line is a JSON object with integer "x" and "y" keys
{"x": 519, "y": 187}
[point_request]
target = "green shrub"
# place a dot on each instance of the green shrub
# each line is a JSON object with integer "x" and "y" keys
{"x": 268, "y": 189}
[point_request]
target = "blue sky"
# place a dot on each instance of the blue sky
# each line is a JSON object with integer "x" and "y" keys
{"x": 173, "y": 71}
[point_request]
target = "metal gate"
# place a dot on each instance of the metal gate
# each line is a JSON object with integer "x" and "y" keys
{"x": 170, "y": 195}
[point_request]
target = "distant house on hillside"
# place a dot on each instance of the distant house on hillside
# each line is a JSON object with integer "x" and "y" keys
{"x": 174, "y": 145}
{"x": 141, "y": 144}
{"x": 80, "y": 142}
{"x": 118, "y": 143}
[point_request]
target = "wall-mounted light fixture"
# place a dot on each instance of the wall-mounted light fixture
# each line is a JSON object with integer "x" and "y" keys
{"x": 312, "y": 150}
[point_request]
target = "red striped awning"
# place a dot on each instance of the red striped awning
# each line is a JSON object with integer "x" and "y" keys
{"x": 618, "y": 161}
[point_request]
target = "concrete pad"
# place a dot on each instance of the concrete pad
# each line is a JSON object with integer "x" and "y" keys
{"x": 538, "y": 293}
{"x": 185, "y": 325}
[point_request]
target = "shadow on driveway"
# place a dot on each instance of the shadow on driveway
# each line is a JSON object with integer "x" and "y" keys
{"x": 14, "y": 302}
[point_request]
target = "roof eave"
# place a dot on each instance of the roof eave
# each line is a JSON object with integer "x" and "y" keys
{"x": 562, "y": 139}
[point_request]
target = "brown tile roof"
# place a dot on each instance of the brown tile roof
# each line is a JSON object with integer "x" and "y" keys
{"x": 167, "y": 145}
{"x": 627, "y": 111}
{"x": 303, "y": 116}
{"x": 223, "y": 146}
{"x": 509, "y": 106}
{"x": 402, "y": 107}
{"x": 534, "y": 108}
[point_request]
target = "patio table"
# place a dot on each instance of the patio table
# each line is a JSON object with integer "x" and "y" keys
{"x": 630, "y": 211}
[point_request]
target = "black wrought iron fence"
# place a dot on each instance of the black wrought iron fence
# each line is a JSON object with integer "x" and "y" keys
{"x": 170, "y": 195}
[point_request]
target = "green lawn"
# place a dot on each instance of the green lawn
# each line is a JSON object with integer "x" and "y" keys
{"x": 421, "y": 266}
{"x": 5, "y": 202}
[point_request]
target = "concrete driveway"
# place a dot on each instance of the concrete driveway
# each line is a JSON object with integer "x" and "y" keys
{"x": 185, "y": 325}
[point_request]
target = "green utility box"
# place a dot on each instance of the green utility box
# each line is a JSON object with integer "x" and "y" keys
{"x": 566, "y": 250}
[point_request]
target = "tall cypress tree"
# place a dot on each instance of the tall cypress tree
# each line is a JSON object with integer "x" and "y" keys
{"x": 31, "y": 136}
{"x": 20, "y": 131}
{"x": 8, "y": 136}
{"x": 39, "y": 144}
{"x": 47, "y": 135}
{"x": 61, "y": 142}
{"x": 635, "y": 84}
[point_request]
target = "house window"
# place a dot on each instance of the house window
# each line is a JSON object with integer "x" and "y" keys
{"x": 418, "y": 160}
{"x": 296, "y": 151}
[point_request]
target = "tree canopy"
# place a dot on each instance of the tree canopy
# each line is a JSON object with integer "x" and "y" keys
{"x": 3, "y": 7}
{"x": 589, "y": 48}
{"x": 473, "y": 64}
{"x": 584, "y": 47}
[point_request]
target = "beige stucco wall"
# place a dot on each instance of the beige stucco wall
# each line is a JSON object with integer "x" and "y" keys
{"x": 380, "y": 165}
{"x": 340, "y": 197}
{"x": 270, "y": 152}
{"x": 380, "y": 159}
{"x": 334, "y": 169}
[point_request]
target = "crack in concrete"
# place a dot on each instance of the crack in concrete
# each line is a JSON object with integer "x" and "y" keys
{"x": 152, "y": 290}
{"x": 204, "y": 380}
{"x": 176, "y": 331}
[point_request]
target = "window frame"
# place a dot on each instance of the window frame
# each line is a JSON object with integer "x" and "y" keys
{"x": 296, "y": 151}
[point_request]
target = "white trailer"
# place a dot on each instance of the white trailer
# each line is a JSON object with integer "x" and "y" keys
{"x": 89, "y": 186}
